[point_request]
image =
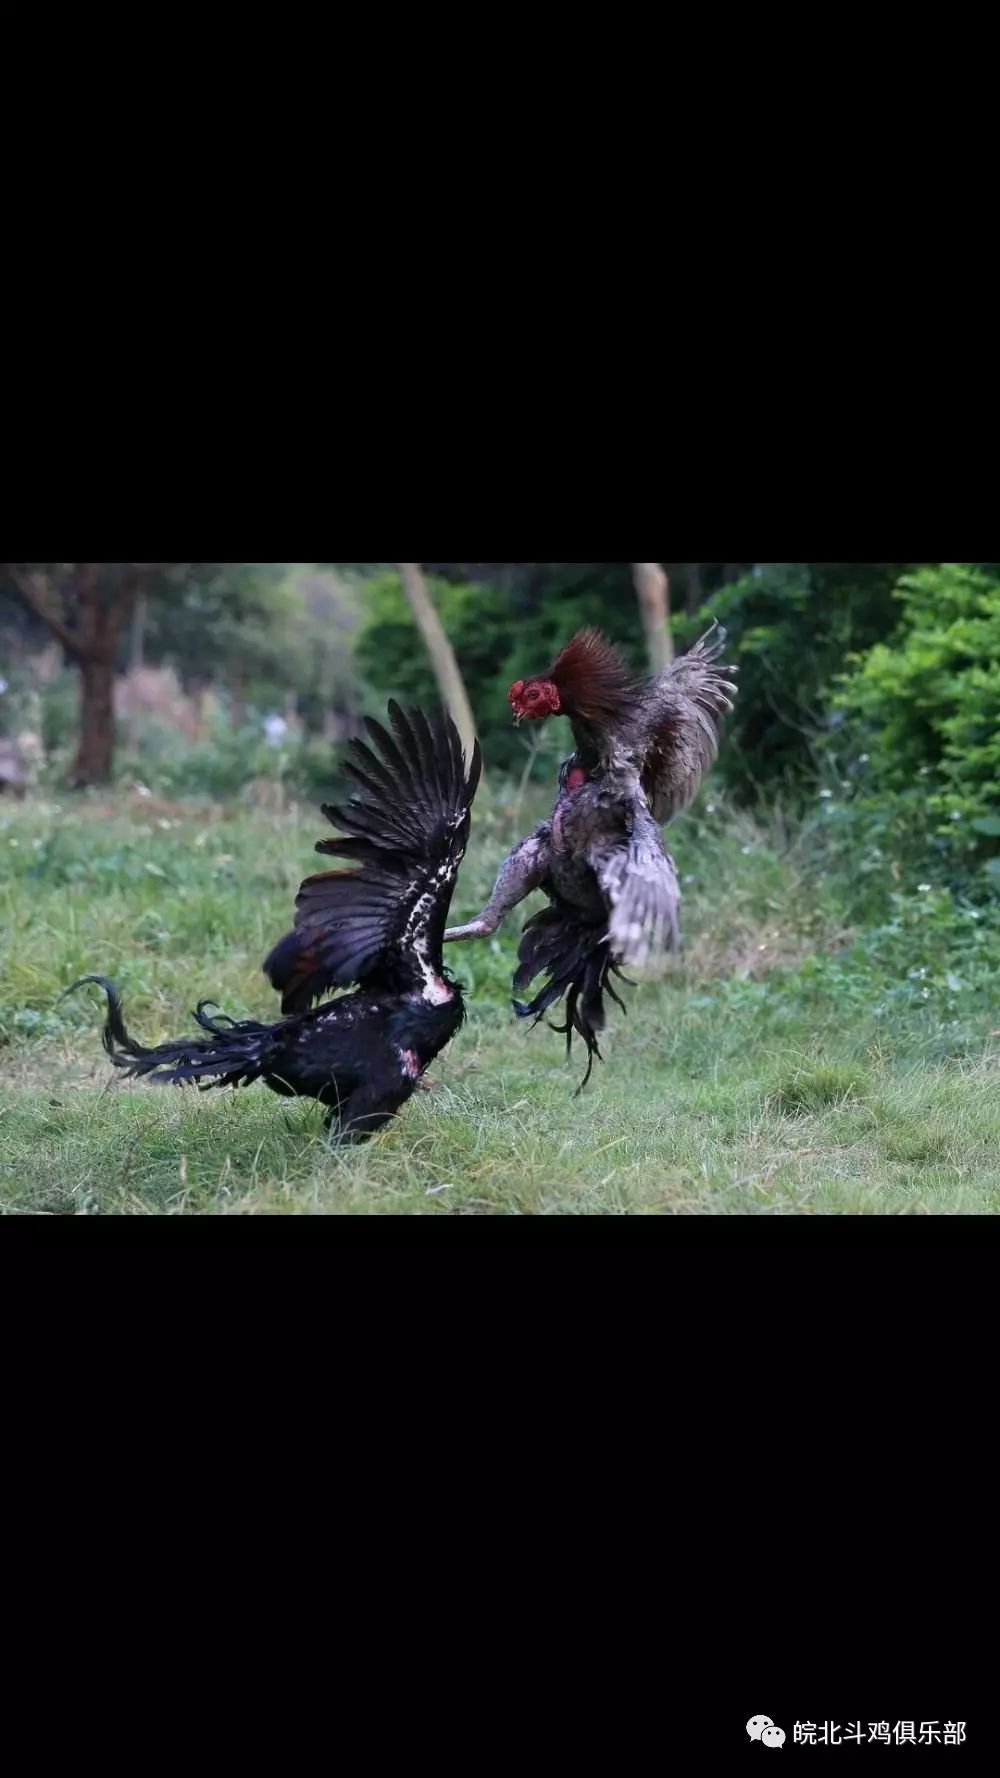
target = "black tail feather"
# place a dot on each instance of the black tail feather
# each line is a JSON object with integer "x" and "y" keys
{"x": 235, "y": 1056}
{"x": 578, "y": 962}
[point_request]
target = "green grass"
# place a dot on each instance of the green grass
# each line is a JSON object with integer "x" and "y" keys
{"x": 814, "y": 1054}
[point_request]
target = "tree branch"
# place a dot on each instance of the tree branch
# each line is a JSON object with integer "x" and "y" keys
{"x": 31, "y": 589}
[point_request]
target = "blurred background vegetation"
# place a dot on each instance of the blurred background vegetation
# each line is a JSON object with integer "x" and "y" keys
{"x": 877, "y": 683}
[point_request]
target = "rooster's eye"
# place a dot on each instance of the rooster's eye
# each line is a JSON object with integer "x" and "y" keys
{"x": 533, "y": 696}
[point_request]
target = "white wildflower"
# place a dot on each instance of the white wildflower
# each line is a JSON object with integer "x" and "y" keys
{"x": 826, "y": 795}
{"x": 923, "y": 888}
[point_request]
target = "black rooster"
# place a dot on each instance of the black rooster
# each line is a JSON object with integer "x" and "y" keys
{"x": 642, "y": 751}
{"x": 379, "y": 923}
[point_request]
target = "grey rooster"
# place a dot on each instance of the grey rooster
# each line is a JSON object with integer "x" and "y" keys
{"x": 642, "y": 749}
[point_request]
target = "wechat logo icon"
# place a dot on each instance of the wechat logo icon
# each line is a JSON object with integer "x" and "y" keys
{"x": 762, "y": 1729}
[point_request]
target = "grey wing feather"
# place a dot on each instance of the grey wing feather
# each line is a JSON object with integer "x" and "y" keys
{"x": 639, "y": 882}
{"x": 684, "y": 711}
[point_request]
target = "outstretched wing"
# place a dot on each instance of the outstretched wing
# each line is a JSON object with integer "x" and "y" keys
{"x": 639, "y": 884}
{"x": 407, "y": 828}
{"x": 680, "y": 738}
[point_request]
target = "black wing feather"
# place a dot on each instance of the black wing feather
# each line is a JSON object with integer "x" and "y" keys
{"x": 403, "y": 832}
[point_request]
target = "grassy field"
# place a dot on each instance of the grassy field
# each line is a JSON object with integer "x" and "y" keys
{"x": 802, "y": 1060}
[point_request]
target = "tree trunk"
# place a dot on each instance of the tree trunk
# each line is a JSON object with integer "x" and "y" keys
{"x": 694, "y": 588}
{"x": 446, "y": 669}
{"x": 653, "y": 589}
{"x": 97, "y": 722}
{"x": 99, "y": 615}
{"x": 136, "y": 664}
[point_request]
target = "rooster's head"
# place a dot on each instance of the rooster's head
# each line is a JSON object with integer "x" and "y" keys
{"x": 588, "y": 681}
{"x": 533, "y": 699}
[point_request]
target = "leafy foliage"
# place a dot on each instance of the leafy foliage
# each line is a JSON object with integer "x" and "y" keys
{"x": 926, "y": 709}
{"x": 792, "y": 626}
{"x": 264, "y": 630}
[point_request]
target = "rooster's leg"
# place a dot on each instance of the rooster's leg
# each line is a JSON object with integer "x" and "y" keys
{"x": 524, "y": 870}
{"x": 483, "y": 927}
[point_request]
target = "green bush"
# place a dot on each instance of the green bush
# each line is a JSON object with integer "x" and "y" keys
{"x": 926, "y": 709}
{"x": 792, "y": 626}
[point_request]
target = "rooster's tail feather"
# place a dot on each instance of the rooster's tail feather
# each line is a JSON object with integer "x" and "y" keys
{"x": 234, "y": 1054}
{"x": 579, "y": 964}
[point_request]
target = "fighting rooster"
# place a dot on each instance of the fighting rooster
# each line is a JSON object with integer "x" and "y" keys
{"x": 642, "y": 749}
{"x": 378, "y": 924}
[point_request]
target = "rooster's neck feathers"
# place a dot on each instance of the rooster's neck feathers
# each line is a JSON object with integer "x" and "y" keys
{"x": 596, "y": 686}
